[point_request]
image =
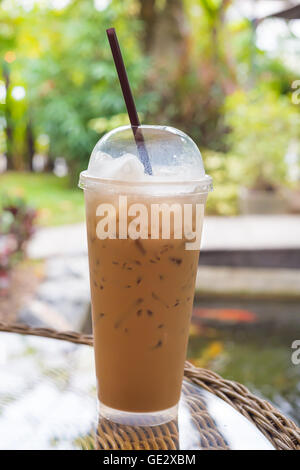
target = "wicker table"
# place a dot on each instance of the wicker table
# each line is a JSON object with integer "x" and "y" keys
{"x": 47, "y": 401}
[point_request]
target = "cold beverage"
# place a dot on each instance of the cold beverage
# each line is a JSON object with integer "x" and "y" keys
{"x": 142, "y": 289}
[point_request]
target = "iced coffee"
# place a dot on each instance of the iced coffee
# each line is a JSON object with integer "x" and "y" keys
{"x": 142, "y": 273}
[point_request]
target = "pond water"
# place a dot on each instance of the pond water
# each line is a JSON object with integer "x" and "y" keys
{"x": 250, "y": 342}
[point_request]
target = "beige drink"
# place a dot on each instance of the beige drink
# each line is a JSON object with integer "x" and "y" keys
{"x": 142, "y": 283}
{"x": 142, "y": 297}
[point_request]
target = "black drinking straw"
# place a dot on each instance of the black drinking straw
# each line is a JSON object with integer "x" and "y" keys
{"x": 128, "y": 98}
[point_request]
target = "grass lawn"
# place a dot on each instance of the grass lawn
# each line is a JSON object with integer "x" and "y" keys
{"x": 55, "y": 201}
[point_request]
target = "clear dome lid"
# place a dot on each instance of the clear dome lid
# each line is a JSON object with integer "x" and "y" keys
{"x": 173, "y": 157}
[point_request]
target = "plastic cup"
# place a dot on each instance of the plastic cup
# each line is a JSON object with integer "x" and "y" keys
{"x": 143, "y": 244}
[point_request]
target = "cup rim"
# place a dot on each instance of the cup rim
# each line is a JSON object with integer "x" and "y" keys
{"x": 203, "y": 185}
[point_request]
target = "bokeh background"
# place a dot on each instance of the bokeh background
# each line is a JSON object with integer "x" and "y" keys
{"x": 223, "y": 71}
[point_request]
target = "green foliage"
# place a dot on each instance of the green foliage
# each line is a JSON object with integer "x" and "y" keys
{"x": 55, "y": 201}
{"x": 226, "y": 171}
{"x": 73, "y": 81}
{"x": 64, "y": 61}
{"x": 261, "y": 128}
{"x": 62, "y": 58}
{"x": 254, "y": 67}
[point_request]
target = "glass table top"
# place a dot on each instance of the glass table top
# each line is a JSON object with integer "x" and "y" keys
{"x": 48, "y": 401}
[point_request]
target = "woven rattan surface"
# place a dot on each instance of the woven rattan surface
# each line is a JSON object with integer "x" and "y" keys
{"x": 279, "y": 430}
{"x": 206, "y": 435}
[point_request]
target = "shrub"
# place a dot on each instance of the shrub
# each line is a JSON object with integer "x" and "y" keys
{"x": 226, "y": 170}
{"x": 262, "y": 125}
{"x": 16, "y": 228}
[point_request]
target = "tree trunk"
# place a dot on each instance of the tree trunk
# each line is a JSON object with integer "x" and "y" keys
{"x": 30, "y": 144}
{"x": 8, "y": 127}
{"x": 166, "y": 34}
{"x": 191, "y": 82}
{"x": 166, "y": 40}
{"x": 149, "y": 17}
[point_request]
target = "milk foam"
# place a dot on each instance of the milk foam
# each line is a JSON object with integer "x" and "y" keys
{"x": 129, "y": 168}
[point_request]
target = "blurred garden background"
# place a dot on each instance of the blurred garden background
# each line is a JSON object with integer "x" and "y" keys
{"x": 224, "y": 71}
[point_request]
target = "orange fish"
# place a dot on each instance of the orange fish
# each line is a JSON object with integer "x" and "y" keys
{"x": 232, "y": 315}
